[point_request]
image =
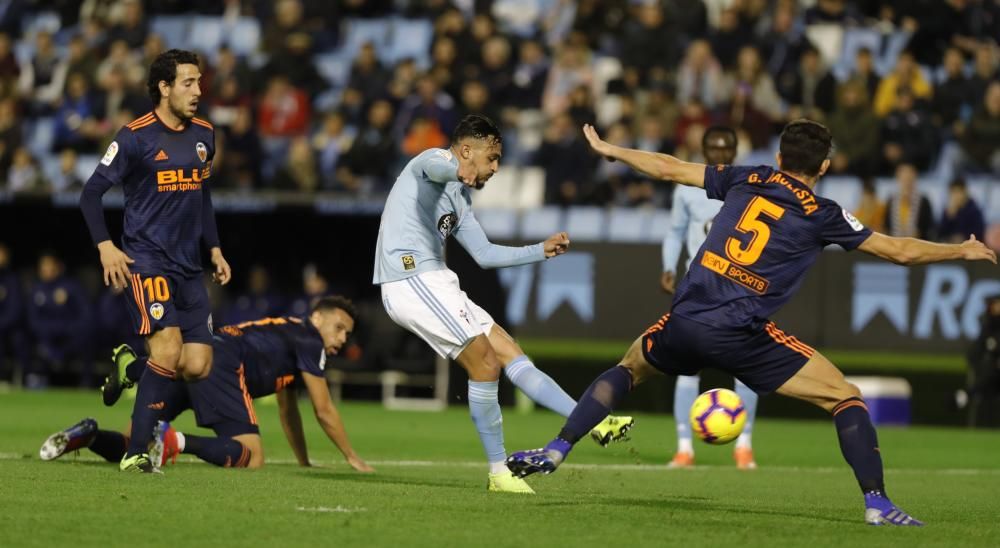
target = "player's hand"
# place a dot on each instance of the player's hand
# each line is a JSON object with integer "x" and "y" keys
{"x": 557, "y": 244}
{"x": 466, "y": 172}
{"x": 600, "y": 146}
{"x": 115, "y": 263}
{"x": 222, "y": 273}
{"x": 359, "y": 465}
{"x": 974, "y": 250}
{"x": 667, "y": 282}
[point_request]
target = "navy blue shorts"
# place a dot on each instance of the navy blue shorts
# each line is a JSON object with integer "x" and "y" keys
{"x": 156, "y": 301}
{"x": 221, "y": 401}
{"x": 763, "y": 359}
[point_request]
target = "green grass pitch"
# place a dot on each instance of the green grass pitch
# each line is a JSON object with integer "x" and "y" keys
{"x": 430, "y": 488}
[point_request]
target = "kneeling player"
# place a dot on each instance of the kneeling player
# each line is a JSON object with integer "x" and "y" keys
{"x": 253, "y": 359}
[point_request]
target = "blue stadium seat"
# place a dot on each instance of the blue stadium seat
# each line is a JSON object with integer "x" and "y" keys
{"x": 409, "y": 38}
{"x": 243, "y": 37}
{"x": 85, "y": 165}
{"x": 846, "y": 191}
{"x": 44, "y": 20}
{"x": 360, "y": 31}
{"x": 205, "y": 34}
{"x": 627, "y": 224}
{"x": 585, "y": 224}
{"x": 41, "y": 134}
{"x": 538, "y": 224}
{"x": 172, "y": 28}
{"x": 335, "y": 68}
{"x": 499, "y": 224}
{"x": 986, "y": 192}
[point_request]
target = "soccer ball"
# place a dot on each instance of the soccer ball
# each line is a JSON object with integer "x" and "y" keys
{"x": 718, "y": 416}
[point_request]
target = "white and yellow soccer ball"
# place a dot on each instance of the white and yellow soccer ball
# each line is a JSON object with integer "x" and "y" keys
{"x": 718, "y": 416}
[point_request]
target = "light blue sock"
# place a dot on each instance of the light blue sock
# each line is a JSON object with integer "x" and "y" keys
{"x": 484, "y": 407}
{"x": 539, "y": 386}
{"x": 685, "y": 392}
{"x": 749, "y": 398}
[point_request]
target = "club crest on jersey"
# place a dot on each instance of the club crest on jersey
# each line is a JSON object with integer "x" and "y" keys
{"x": 156, "y": 311}
{"x": 202, "y": 151}
{"x": 446, "y": 224}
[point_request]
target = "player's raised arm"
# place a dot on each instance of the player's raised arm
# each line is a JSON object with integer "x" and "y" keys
{"x": 489, "y": 255}
{"x": 911, "y": 251}
{"x": 329, "y": 420}
{"x": 655, "y": 164}
{"x": 291, "y": 423}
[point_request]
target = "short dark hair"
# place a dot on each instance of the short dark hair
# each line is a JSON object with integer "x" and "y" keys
{"x": 958, "y": 182}
{"x": 719, "y": 130}
{"x": 330, "y": 303}
{"x": 804, "y": 146}
{"x": 164, "y": 68}
{"x": 476, "y": 126}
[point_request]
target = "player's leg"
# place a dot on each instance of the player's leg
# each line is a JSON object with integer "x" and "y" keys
{"x": 238, "y": 451}
{"x": 685, "y": 392}
{"x": 161, "y": 366}
{"x": 743, "y": 452}
{"x": 194, "y": 312}
{"x": 196, "y": 361}
{"x": 821, "y": 383}
{"x": 597, "y": 402}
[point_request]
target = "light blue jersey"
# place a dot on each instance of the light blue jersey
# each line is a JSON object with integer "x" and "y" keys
{"x": 690, "y": 219}
{"x": 426, "y": 205}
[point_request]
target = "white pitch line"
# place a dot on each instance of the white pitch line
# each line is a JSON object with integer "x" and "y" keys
{"x": 572, "y": 466}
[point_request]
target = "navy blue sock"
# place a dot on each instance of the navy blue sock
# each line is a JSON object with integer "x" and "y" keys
{"x": 133, "y": 371}
{"x": 603, "y": 395}
{"x": 110, "y": 445}
{"x": 148, "y": 406}
{"x": 859, "y": 443}
{"x": 225, "y": 452}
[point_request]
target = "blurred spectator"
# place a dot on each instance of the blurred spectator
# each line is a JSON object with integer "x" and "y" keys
{"x": 754, "y": 103}
{"x": 118, "y": 97}
{"x": 693, "y": 113}
{"x": 131, "y": 27}
{"x": 283, "y": 113}
{"x": 287, "y": 19}
{"x": 906, "y": 75}
{"x": 258, "y": 301}
{"x": 809, "y": 91}
{"x": 427, "y": 102}
{"x": 76, "y": 119}
{"x": 24, "y": 175}
{"x": 10, "y": 132}
{"x": 12, "y": 334}
{"x": 871, "y": 210}
{"x": 981, "y": 142}
{"x": 936, "y": 25}
{"x": 689, "y": 16}
{"x": 112, "y": 324}
{"x": 572, "y": 68}
{"x": 699, "y": 76}
{"x": 566, "y": 159}
{"x": 952, "y": 96}
{"x": 476, "y": 100}
{"x": 373, "y": 154}
{"x": 864, "y": 72}
{"x": 613, "y": 177}
{"x": 986, "y": 71}
{"x": 241, "y": 164}
{"x": 10, "y": 69}
{"x": 330, "y": 144}
{"x": 962, "y": 216}
{"x": 729, "y": 39}
{"x": 314, "y": 285}
{"x": 444, "y": 65}
{"x": 496, "y": 69}
{"x": 230, "y": 71}
{"x": 855, "y": 131}
{"x": 659, "y": 103}
{"x": 66, "y": 180}
{"x": 908, "y": 213}
{"x": 404, "y": 78}
{"x": 367, "y": 73}
{"x": 227, "y": 102}
{"x": 38, "y": 79}
{"x": 10, "y": 17}
{"x": 649, "y": 40}
{"x": 59, "y": 316}
{"x": 530, "y": 74}
{"x": 154, "y": 46}
{"x": 983, "y": 357}
{"x": 294, "y": 61}
{"x": 603, "y": 21}
{"x": 836, "y": 12}
{"x": 122, "y": 58}
{"x": 79, "y": 60}
{"x": 783, "y": 43}
{"x": 581, "y": 106}
{"x": 299, "y": 172}
{"x": 908, "y": 134}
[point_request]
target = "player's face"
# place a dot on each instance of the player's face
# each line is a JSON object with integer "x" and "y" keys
{"x": 485, "y": 155}
{"x": 334, "y": 327}
{"x": 183, "y": 95}
{"x": 719, "y": 149}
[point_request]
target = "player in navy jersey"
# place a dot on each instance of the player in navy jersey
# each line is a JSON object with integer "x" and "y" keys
{"x": 770, "y": 230}
{"x": 163, "y": 161}
{"x": 252, "y": 360}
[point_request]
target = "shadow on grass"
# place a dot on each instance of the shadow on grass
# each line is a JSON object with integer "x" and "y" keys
{"x": 380, "y": 478}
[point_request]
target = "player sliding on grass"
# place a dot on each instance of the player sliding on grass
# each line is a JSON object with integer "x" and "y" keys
{"x": 770, "y": 230}
{"x": 430, "y": 201}
{"x": 252, "y": 360}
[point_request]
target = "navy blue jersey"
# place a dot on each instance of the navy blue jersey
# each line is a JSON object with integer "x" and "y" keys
{"x": 162, "y": 172}
{"x": 770, "y": 230}
{"x": 275, "y": 351}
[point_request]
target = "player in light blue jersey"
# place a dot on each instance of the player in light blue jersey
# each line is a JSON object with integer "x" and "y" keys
{"x": 691, "y": 218}
{"x": 430, "y": 201}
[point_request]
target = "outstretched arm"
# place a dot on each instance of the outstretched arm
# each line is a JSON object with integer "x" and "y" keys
{"x": 489, "y": 255}
{"x": 329, "y": 420}
{"x": 911, "y": 251}
{"x": 291, "y": 423}
{"x": 654, "y": 164}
